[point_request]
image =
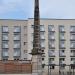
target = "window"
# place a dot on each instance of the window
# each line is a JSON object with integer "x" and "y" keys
{"x": 16, "y": 44}
{"x": 42, "y": 28}
{"x": 42, "y": 43}
{"x": 72, "y": 52}
{"x": 5, "y": 53}
{"x": 42, "y": 35}
{"x": 51, "y": 60}
{"x": 51, "y": 44}
{"x": 72, "y": 36}
{"x": 62, "y": 60}
{"x": 4, "y": 28}
{"x": 4, "y": 36}
{"x": 61, "y": 28}
{"x": 51, "y": 53}
{"x": 17, "y": 53}
{"x": 50, "y": 27}
{"x": 62, "y": 52}
{"x": 72, "y": 28}
{"x": 62, "y": 44}
{"x": 5, "y": 44}
{"x": 72, "y": 44}
{"x": 17, "y": 29}
{"x": 72, "y": 60}
{"x": 17, "y": 37}
{"x": 62, "y": 36}
{"x": 51, "y": 35}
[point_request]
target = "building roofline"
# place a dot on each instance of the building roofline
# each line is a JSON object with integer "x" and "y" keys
{"x": 52, "y": 19}
{"x": 16, "y": 19}
{"x": 33, "y": 18}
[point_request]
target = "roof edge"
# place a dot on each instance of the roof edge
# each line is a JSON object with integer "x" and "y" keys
{"x": 52, "y": 19}
{"x": 16, "y": 19}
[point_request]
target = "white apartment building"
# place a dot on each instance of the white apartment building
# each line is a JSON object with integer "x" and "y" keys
{"x": 57, "y": 40}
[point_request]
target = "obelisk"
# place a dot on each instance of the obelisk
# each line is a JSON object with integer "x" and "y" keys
{"x": 36, "y": 52}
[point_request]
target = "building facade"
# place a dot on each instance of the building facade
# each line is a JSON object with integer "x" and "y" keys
{"x": 57, "y": 40}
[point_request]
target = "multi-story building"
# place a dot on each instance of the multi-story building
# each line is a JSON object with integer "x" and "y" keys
{"x": 57, "y": 40}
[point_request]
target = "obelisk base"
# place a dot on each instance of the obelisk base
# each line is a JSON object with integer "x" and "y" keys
{"x": 36, "y": 65}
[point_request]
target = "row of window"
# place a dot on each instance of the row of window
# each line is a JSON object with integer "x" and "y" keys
{"x": 6, "y": 37}
{"x": 61, "y": 61}
{"x": 17, "y": 44}
{"x": 51, "y": 53}
{"x": 15, "y": 29}
{"x": 51, "y": 28}
{"x": 16, "y": 53}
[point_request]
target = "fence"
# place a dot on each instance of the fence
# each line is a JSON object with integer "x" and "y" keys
{"x": 62, "y": 69}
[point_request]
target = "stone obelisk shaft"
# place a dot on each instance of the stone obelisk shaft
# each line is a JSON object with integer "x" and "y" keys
{"x": 36, "y": 52}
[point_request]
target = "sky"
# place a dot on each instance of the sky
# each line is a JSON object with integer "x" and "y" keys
{"x": 24, "y": 9}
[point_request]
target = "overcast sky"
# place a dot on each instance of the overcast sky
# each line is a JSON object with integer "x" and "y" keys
{"x": 24, "y": 9}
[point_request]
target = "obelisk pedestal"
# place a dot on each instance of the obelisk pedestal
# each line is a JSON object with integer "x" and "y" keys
{"x": 36, "y": 65}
